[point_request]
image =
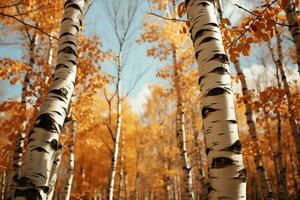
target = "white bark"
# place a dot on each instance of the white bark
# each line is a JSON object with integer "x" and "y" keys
{"x": 70, "y": 172}
{"x": 181, "y": 134}
{"x": 117, "y": 135}
{"x": 291, "y": 13}
{"x": 51, "y": 50}
{"x": 126, "y": 187}
{"x": 3, "y": 185}
{"x": 226, "y": 171}
{"x": 18, "y": 154}
{"x": 121, "y": 184}
{"x": 43, "y": 139}
{"x": 54, "y": 173}
{"x": 262, "y": 174}
{"x": 292, "y": 115}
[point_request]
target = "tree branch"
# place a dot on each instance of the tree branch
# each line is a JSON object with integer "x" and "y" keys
{"x": 253, "y": 21}
{"x": 28, "y": 25}
{"x": 165, "y": 18}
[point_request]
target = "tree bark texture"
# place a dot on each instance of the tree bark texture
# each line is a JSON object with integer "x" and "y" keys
{"x": 223, "y": 147}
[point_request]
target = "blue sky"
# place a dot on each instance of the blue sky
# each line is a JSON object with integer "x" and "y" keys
{"x": 97, "y": 23}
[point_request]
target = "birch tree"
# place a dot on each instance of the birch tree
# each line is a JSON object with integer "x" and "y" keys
{"x": 121, "y": 15}
{"x": 223, "y": 147}
{"x": 43, "y": 139}
{"x": 69, "y": 178}
{"x": 290, "y": 7}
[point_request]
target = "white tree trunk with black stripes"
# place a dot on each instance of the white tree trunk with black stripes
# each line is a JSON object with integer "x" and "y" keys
{"x": 181, "y": 133}
{"x": 54, "y": 173}
{"x": 117, "y": 135}
{"x": 294, "y": 27}
{"x": 18, "y": 154}
{"x": 43, "y": 139}
{"x": 262, "y": 174}
{"x": 70, "y": 173}
{"x": 223, "y": 147}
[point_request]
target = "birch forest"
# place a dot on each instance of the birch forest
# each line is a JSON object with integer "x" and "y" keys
{"x": 149, "y": 99}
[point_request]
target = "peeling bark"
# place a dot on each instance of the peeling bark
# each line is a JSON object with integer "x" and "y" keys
{"x": 226, "y": 170}
{"x": 43, "y": 143}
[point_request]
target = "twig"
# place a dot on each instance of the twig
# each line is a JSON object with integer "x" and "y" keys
{"x": 165, "y": 18}
{"x": 252, "y": 13}
{"x": 251, "y": 24}
{"x": 11, "y": 5}
{"x": 28, "y": 25}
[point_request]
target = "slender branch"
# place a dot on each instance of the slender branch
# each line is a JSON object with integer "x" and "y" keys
{"x": 28, "y": 25}
{"x": 11, "y": 5}
{"x": 252, "y": 13}
{"x": 165, "y": 18}
{"x": 253, "y": 21}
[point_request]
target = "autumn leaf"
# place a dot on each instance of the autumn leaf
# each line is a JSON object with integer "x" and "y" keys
{"x": 181, "y": 9}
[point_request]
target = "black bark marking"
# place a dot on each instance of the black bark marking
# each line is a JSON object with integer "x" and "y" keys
{"x": 197, "y": 54}
{"x": 212, "y": 24}
{"x": 206, "y": 110}
{"x": 236, "y": 147}
{"x": 207, "y": 150}
{"x": 232, "y": 121}
{"x": 221, "y": 162}
{"x": 30, "y": 194}
{"x": 200, "y": 33}
{"x": 210, "y": 189}
{"x": 54, "y": 144}
{"x": 242, "y": 175}
{"x": 68, "y": 50}
{"x": 208, "y": 39}
{"x": 216, "y": 91}
{"x": 200, "y": 79}
{"x": 39, "y": 149}
{"x": 58, "y": 66}
{"x": 46, "y": 122}
{"x": 220, "y": 70}
{"x": 223, "y": 58}
{"x": 62, "y": 92}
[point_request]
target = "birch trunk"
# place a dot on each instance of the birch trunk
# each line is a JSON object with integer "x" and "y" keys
{"x": 54, "y": 173}
{"x": 179, "y": 188}
{"x": 281, "y": 169}
{"x": 126, "y": 187}
{"x": 181, "y": 134}
{"x": 3, "y": 185}
{"x": 51, "y": 50}
{"x": 168, "y": 188}
{"x": 137, "y": 186}
{"x": 43, "y": 139}
{"x": 69, "y": 177}
{"x": 121, "y": 185}
{"x": 226, "y": 171}
{"x": 291, "y": 14}
{"x": 117, "y": 135}
{"x": 292, "y": 114}
{"x": 262, "y": 174}
{"x": 18, "y": 154}
{"x": 201, "y": 170}
{"x": 175, "y": 188}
